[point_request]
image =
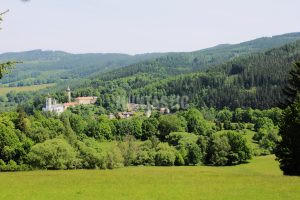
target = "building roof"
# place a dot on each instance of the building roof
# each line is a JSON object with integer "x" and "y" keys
{"x": 86, "y": 98}
{"x": 71, "y": 104}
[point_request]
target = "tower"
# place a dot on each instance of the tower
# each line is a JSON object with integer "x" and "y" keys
{"x": 49, "y": 103}
{"x": 69, "y": 94}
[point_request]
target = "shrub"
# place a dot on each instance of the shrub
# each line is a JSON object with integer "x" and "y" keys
{"x": 129, "y": 150}
{"x": 114, "y": 157}
{"x": 146, "y": 155}
{"x": 219, "y": 151}
{"x": 229, "y": 149}
{"x": 165, "y": 155}
{"x": 195, "y": 122}
{"x": 149, "y": 128}
{"x": 52, "y": 154}
{"x": 90, "y": 157}
{"x": 170, "y": 123}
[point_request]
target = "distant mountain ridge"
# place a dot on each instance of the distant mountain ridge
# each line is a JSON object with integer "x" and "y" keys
{"x": 41, "y": 67}
{"x": 187, "y": 62}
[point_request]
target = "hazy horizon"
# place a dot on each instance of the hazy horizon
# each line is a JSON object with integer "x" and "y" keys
{"x": 140, "y": 26}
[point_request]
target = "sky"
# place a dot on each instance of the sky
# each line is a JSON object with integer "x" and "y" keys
{"x": 141, "y": 26}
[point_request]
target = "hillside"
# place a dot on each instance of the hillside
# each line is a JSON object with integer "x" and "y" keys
{"x": 43, "y": 67}
{"x": 250, "y": 74}
{"x": 254, "y": 80}
{"x": 180, "y": 63}
{"x": 40, "y": 67}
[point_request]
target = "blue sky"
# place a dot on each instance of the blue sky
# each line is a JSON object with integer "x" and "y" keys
{"x": 141, "y": 26}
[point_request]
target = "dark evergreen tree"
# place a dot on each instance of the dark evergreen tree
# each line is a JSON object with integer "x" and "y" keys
{"x": 293, "y": 87}
{"x": 288, "y": 149}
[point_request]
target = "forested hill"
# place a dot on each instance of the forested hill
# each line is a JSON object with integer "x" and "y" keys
{"x": 249, "y": 74}
{"x": 41, "y": 67}
{"x": 180, "y": 63}
{"x": 254, "y": 80}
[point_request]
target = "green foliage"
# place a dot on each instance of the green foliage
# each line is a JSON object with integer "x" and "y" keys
{"x": 293, "y": 87}
{"x": 129, "y": 150}
{"x": 263, "y": 123}
{"x": 165, "y": 155}
{"x": 224, "y": 116}
{"x": 114, "y": 157}
{"x": 90, "y": 155}
{"x": 146, "y": 154}
{"x": 195, "y": 122}
{"x": 230, "y": 148}
{"x": 170, "y": 123}
{"x": 149, "y": 128}
{"x": 288, "y": 149}
{"x": 92, "y": 141}
{"x": 52, "y": 154}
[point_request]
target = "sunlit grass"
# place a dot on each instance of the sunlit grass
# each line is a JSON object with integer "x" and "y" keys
{"x": 260, "y": 179}
{"x": 5, "y": 90}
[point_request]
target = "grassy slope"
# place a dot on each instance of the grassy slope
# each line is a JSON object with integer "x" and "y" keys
{"x": 5, "y": 90}
{"x": 260, "y": 179}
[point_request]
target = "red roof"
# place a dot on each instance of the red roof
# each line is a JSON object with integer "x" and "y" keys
{"x": 71, "y": 104}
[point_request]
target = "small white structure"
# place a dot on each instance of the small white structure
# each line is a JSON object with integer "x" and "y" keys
{"x": 53, "y": 106}
{"x": 148, "y": 113}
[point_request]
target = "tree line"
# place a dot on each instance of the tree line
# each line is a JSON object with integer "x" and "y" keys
{"x": 87, "y": 140}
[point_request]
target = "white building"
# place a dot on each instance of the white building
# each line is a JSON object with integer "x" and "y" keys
{"x": 53, "y": 106}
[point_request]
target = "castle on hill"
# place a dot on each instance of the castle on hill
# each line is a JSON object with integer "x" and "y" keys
{"x": 53, "y": 106}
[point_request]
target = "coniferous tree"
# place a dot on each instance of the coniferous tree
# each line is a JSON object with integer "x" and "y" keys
{"x": 288, "y": 149}
{"x": 293, "y": 86}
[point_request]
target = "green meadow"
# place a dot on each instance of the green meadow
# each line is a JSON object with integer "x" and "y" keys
{"x": 259, "y": 179}
{"x": 5, "y": 90}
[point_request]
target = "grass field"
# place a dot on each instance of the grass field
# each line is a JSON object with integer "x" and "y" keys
{"x": 5, "y": 90}
{"x": 260, "y": 179}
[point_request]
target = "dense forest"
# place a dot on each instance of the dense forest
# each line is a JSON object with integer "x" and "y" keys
{"x": 254, "y": 80}
{"x": 230, "y": 113}
{"x": 250, "y": 80}
{"x": 81, "y": 139}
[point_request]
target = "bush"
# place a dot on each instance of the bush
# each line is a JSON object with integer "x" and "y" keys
{"x": 165, "y": 155}
{"x": 90, "y": 157}
{"x": 174, "y": 138}
{"x": 146, "y": 155}
{"x": 186, "y": 144}
{"x": 149, "y": 128}
{"x": 114, "y": 158}
{"x": 229, "y": 149}
{"x": 195, "y": 122}
{"x": 219, "y": 151}
{"x": 129, "y": 150}
{"x": 52, "y": 154}
{"x": 239, "y": 150}
{"x": 170, "y": 123}
{"x": 224, "y": 115}
{"x": 12, "y": 166}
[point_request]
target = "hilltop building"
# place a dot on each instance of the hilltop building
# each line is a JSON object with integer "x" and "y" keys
{"x": 53, "y": 106}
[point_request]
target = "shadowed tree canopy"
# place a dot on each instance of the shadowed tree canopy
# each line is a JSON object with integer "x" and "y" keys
{"x": 293, "y": 87}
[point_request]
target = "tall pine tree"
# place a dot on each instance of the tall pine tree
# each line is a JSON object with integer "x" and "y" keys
{"x": 293, "y": 86}
{"x": 288, "y": 149}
